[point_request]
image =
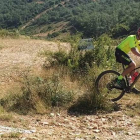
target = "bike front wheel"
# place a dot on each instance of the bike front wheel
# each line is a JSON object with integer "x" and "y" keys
{"x": 105, "y": 85}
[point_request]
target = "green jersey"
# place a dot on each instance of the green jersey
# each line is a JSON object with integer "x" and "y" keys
{"x": 129, "y": 43}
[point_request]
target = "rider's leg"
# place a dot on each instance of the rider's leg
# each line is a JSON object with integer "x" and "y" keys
{"x": 123, "y": 58}
{"x": 119, "y": 81}
{"x": 129, "y": 69}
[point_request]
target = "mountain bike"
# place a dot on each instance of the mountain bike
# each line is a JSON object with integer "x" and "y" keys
{"x": 104, "y": 84}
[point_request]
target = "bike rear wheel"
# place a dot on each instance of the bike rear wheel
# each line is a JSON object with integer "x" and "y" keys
{"x": 104, "y": 85}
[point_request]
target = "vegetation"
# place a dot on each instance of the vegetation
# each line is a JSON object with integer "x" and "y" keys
{"x": 104, "y": 20}
{"x": 66, "y": 80}
{"x": 79, "y": 61}
{"x": 85, "y": 67}
{"x": 91, "y": 18}
{"x": 41, "y": 93}
{"x": 11, "y": 34}
{"x": 11, "y": 135}
{"x": 38, "y": 95}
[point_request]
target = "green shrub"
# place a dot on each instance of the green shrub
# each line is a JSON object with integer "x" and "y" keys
{"x": 91, "y": 102}
{"x": 12, "y": 34}
{"x": 53, "y": 35}
{"x": 86, "y": 66}
{"x": 61, "y": 57}
{"x": 81, "y": 61}
{"x": 12, "y": 135}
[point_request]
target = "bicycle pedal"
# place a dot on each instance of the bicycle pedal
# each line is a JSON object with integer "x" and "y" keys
{"x": 127, "y": 91}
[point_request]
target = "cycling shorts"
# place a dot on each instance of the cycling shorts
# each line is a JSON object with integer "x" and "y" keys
{"x": 122, "y": 57}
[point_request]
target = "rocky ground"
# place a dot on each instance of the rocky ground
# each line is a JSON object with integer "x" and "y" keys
{"x": 62, "y": 126}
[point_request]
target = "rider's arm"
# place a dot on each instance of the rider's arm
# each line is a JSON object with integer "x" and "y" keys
{"x": 134, "y": 51}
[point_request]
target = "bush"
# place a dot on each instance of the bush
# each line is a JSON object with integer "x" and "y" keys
{"x": 38, "y": 95}
{"x": 53, "y": 35}
{"x": 91, "y": 102}
{"x": 61, "y": 57}
{"x": 12, "y": 34}
{"x": 85, "y": 66}
{"x": 81, "y": 61}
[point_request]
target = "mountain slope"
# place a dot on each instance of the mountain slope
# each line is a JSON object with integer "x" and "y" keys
{"x": 39, "y": 15}
{"x": 91, "y": 18}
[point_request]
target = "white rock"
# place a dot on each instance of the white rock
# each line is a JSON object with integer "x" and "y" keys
{"x": 96, "y": 130}
{"x": 52, "y": 114}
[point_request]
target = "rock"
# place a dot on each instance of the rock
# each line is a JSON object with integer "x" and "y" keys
{"x": 96, "y": 130}
{"x": 129, "y": 133}
{"x": 52, "y": 114}
{"x": 58, "y": 114}
{"x": 45, "y": 123}
{"x": 38, "y": 120}
{"x": 43, "y": 131}
{"x": 113, "y": 133}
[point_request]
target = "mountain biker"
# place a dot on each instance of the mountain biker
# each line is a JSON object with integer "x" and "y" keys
{"x": 130, "y": 44}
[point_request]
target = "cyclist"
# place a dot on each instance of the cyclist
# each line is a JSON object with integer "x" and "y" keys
{"x": 131, "y": 43}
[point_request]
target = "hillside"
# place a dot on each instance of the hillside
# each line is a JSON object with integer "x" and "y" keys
{"x": 22, "y": 55}
{"x": 51, "y": 19}
{"x": 47, "y": 93}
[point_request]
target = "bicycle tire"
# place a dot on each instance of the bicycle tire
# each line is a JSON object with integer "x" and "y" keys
{"x": 115, "y": 94}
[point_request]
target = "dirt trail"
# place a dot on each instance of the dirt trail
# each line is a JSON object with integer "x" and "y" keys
{"x": 42, "y": 13}
{"x": 61, "y": 126}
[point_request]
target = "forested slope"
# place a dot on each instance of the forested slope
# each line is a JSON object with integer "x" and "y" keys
{"x": 90, "y": 17}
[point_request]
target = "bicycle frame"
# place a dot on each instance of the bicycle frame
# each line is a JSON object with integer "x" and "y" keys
{"x": 129, "y": 87}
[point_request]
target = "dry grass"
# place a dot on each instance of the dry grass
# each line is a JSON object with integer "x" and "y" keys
{"x": 14, "y": 96}
{"x": 130, "y": 103}
{"x": 21, "y": 55}
{"x": 11, "y": 135}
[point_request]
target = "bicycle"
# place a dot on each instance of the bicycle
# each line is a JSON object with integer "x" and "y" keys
{"x": 104, "y": 84}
